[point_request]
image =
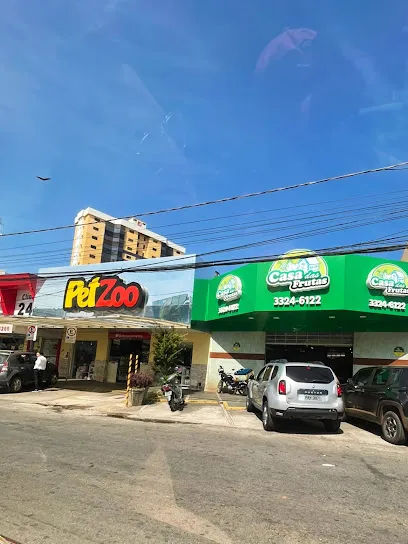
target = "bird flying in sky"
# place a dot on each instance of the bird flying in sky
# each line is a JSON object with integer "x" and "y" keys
{"x": 43, "y": 179}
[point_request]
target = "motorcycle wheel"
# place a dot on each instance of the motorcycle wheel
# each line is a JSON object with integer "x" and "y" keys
{"x": 173, "y": 405}
{"x": 181, "y": 407}
{"x": 243, "y": 389}
{"x": 220, "y": 386}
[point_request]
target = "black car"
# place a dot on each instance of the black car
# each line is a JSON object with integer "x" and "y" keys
{"x": 380, "y": 394}
{"x": 17, "y": 370}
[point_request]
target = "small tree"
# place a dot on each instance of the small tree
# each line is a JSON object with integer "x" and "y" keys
{"x": 168, "y": 346}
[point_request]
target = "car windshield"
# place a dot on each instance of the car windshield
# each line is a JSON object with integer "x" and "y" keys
{"x": 309, "y": 374}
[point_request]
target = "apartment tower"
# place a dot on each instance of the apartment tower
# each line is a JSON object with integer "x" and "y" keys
{"x": 100, "y": 238}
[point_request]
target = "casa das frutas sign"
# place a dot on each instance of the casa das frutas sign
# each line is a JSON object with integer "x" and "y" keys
{"x": 302, "y": 272}
{"x": 103, "y": 293}
{"x": 390, "y": 281}
{"x": 228, "y": 293}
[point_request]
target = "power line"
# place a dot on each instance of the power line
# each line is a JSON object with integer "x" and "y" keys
{"x": 393, "y": 167}
{"x": 332, "y": 226}
{"x": 149, "y": 267}
{"x": 329, "y": 217}
{"x": 244, "y": 214}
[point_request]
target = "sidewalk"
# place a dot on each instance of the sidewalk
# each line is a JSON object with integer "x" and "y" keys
{"x": 104, "y": 400}
{"x": 202, "y": 408}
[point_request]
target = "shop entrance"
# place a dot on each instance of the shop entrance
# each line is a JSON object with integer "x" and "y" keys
{"x": 84, "y": 359}
{"x": 123, "y": 346}
{"x": 337, "y": 353}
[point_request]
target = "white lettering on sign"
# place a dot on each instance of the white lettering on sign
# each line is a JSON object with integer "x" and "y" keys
{"x": 24, "y": 303}
{"x": 229, "y": 308}
{"x": 6, "y": 329}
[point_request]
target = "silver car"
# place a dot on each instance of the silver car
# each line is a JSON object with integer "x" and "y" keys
{"x": 283, "y": 390}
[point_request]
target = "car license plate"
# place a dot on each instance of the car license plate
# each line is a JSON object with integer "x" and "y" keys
{"x": 168, "y": 394}
{"x": 313, "y": 398}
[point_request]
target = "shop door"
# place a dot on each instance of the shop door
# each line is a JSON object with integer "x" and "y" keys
{"x": 84, "y": 359}
{"x": 122, "y": 350}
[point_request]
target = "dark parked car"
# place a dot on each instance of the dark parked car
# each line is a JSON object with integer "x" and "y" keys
{"x": 17, "y": 370}
{"x": 380, "y": 394}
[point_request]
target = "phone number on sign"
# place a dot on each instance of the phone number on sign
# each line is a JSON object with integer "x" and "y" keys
{"x": 384, "y": 305}
{"x": 298, "y": 301}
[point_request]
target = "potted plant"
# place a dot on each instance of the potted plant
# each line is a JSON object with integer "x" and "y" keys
{"x": 168, "y": 347}
{"x": 139, "y": 387}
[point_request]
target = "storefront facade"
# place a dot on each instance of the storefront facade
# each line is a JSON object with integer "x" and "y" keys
{"x": 346, "y": 311}
{"x": 92, "y": 325}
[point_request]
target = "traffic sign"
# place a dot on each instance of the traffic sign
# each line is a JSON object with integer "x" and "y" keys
{"x": 70, "y": 335}
{"x": 32, "y": 332}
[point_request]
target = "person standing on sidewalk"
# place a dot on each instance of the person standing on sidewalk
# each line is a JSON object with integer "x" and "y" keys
{"x": 39, "y": 367}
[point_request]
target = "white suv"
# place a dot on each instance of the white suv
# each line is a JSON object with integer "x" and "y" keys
{"x": 285, "y": 390}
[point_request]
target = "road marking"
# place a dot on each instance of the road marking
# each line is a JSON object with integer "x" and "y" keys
{"x": 327, "y": 465}
{"x": 226, "y": 414}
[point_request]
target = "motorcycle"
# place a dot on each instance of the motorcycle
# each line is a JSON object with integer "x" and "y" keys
{"x": 173, "y": 391}
{"x": 233, "y": 385}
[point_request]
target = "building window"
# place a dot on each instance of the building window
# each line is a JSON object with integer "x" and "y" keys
{"x": 154, "y": 248}
{"x": 94, "y": 237}
{"x": 92, "y": 256}
{"x": 129, "y": 248}
{"x": 95, "y": 228}
{"x": 131, "y": 231}
{"x": 130, "y": 240}
{"x": 93, "y": 247}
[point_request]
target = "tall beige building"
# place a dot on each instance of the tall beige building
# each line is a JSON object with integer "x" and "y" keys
{"x": 100, "y": 238}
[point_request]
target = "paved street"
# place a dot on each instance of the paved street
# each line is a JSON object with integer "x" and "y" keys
{"x": 70, "y": 478}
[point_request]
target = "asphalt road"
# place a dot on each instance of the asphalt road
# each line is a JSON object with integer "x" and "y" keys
{"x": 71, "y": 479}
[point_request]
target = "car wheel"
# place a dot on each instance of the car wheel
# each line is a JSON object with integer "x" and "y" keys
{"x": 16, "y": 385}
{"x": 267, "y": 421}
{"x": 392, "y": 429}
{"x": 220, "y": 386}
{"x": 332, "y": 425}
{"x": 248, "y": 404}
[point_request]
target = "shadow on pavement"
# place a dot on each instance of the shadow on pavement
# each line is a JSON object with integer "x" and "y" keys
{"x": 87, "y": 386}
{"x": 301, "y": 426}
{"x": 372, "y": 428}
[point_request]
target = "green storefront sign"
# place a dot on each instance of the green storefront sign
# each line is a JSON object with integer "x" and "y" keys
{"x": 305, "y": 292}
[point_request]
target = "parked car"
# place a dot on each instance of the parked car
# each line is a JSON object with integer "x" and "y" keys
{"x": 17, "y": 370}
{"x": 285, "y": 390}
{"x": 380, "y": 394}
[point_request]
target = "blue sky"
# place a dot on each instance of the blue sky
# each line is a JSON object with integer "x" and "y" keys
{"x": 132, "y": 106}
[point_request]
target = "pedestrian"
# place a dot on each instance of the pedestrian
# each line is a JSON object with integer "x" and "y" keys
{"x": 39, "y": 367}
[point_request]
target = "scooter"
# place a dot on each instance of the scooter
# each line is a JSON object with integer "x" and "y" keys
{"x": 173, "y": 392}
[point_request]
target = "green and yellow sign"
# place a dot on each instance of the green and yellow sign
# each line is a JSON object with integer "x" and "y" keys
{"x": 299, "y": 272}
{"x": 390, "y": 279}
{"x": 229, "y": 290}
